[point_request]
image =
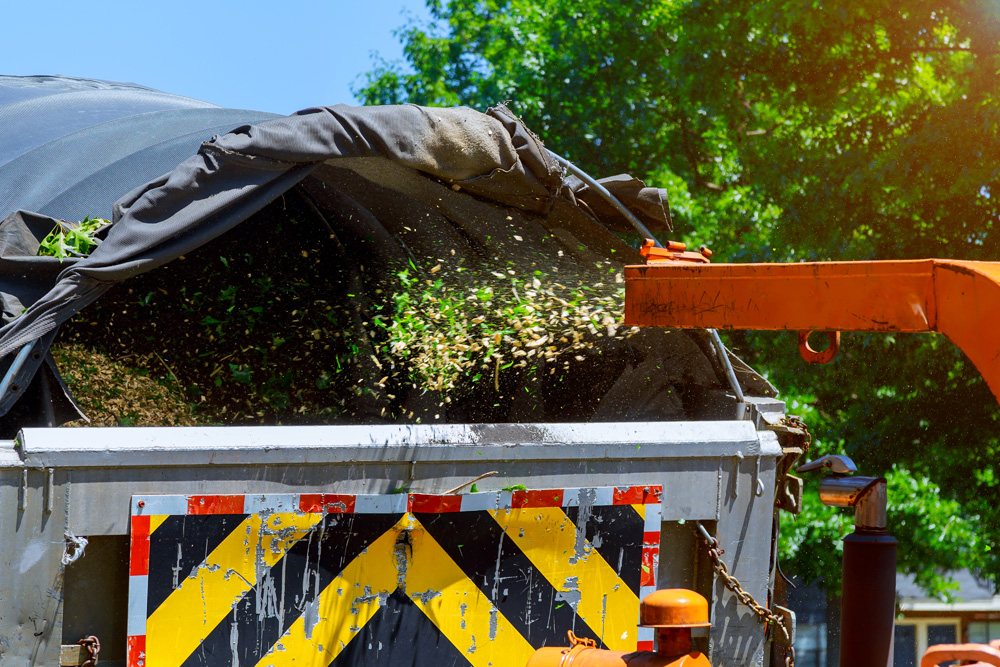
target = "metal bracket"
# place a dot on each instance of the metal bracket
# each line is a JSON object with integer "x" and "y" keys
{"x": 788, "y": 616}
{"x": 24, "y": 490}
{"x": 789, "y": 433}
{"x": 72, "y": 655}
{"x": 736, "y": 475}
{"x": 838, "y": 464}
{"x": 50, "y": 489}
{"x": 790, "y": 494}
{"x": 824, "y": 356}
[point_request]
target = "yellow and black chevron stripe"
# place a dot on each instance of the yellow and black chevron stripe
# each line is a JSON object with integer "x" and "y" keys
{"x": 478, "y": 580}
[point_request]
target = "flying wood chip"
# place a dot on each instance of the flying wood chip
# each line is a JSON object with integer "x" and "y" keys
{"x": 479, "y": 579}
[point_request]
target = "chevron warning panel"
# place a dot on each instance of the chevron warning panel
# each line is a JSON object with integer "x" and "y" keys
{"x": 480, "y": 579}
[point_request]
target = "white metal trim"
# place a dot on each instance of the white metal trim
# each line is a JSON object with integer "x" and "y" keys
{"x": 992, "y": 604}
{"x": 262, "y": 445}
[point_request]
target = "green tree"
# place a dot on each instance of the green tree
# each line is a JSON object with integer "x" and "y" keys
{"x": 784, "y": 132}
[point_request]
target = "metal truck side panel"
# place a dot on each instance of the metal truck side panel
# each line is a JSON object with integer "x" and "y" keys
{"x": 720, "y": 472}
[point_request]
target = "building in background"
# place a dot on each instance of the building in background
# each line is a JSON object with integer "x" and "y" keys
{"x": 921, "y": 621}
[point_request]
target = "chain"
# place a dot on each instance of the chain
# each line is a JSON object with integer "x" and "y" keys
{"x": 715, "y": 552}
{"x": 586, "y": 642}
{"x": 796, "y": 422}
{"x": 93, "y": 646}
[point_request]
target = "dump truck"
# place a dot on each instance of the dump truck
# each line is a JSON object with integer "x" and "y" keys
{"x": 463, "y": 457}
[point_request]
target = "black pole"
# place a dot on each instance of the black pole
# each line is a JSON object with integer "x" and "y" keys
{"x": 868, "y": 604}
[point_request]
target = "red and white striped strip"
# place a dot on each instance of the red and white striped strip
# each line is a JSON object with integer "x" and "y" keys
{"x": 137, "y": 589}
{"x": 650, "y": 555}
{"x": 346, "y": 503}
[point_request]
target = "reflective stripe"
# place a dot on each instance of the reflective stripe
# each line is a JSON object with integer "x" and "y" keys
{"x": 444, "y": 592}
{"x": 341, "y": 610}
{"x": 573, "y": 566}
{"x": 172, "y": 631}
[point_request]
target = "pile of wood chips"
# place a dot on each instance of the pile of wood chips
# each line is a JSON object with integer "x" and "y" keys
{"x": 114, "y": 393}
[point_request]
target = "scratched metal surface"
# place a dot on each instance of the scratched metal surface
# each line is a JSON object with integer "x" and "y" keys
{"x": 95, "y": 473}
{"x": 476, "y": 579}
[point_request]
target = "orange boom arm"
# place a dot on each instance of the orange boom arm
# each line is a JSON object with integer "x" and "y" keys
{"x": 956, "y": 298}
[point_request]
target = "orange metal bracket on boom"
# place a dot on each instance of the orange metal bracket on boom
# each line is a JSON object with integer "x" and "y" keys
{"x": 956, "y": 298}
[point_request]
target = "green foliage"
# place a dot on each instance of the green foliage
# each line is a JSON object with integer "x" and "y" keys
{"x": 784, "y": 132}
{"x": 882, "y": 403}
{"x": 72, "y": 239}
{"x": 447, "y": 327}
{"x": 934, "y": 534}
{"x": 800, "y": 131}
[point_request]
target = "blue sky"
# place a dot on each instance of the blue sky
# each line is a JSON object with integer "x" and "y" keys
{"x": 250, "y": 54}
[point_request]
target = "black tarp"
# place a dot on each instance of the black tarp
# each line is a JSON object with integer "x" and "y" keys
{"x": 457, "y": 173}
{"x": 70, "y": 147}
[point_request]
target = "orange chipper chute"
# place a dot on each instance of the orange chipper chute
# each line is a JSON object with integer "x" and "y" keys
{"x": 959, "y": 299}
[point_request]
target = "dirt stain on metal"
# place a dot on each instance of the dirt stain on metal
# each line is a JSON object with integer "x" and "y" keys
{"x": 369, "y": 597}
{"x": 581, "y": 549}
{"x": 403, "y": 550}
{"x": 234, "y": 642}
{"x": 493, "y": 623}
{"x": 310, "y": 617}
{"x": 426, "y": 596}
{"x": 570, "y": 594}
